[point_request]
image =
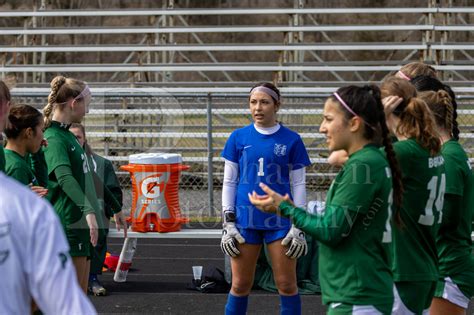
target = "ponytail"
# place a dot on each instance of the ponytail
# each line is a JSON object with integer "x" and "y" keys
{"x": 425, "y": 84}
{"x": 21, "y": 117}
{"x": 56, "y": 85}
{"x": 441, "y": 105}
{"x": 454, "y": 106}
{"x": 417, "y": 121}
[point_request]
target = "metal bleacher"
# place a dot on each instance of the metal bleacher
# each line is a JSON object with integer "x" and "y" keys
{"x": 426, "y": 34}
{"x": 176, "y": 79}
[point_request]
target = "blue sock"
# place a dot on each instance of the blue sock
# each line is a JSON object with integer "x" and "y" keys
{"x": 236, "y": 305}
{"x": 92, "y": 277}
{"x": 290, "y": 305}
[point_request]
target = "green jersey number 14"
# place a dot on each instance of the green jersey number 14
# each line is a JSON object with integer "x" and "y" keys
{"x": 436, "y": 198}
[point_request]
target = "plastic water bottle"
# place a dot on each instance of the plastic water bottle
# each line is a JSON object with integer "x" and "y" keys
{"x": 125, "y": 260}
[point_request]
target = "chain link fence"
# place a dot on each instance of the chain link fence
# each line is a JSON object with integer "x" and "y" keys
{"x": 197, "y": 125}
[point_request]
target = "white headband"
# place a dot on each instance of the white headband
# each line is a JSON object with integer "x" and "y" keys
{"x": 265, "y": 90}
{"x": 84, "y": 93}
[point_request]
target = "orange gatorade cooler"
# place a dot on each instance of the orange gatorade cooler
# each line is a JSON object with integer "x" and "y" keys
{"x": 155, "y": 202}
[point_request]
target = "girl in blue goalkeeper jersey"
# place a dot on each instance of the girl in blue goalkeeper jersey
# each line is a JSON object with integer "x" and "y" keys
{"x": 262, "y": 152}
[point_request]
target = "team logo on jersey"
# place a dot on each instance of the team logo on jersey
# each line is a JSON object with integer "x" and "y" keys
{"x": 279, "y": 149}
{"x": 63, "y": 259}
{"x": 4, "y": 255}
{"x": 5, "y": 229}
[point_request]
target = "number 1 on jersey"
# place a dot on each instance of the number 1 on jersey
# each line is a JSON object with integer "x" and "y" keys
{"x": 260, "y": 167}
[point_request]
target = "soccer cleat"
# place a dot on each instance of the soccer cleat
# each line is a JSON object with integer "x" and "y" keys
{"x": 96, "y": 288}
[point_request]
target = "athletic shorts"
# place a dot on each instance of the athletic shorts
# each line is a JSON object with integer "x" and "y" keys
{"x": 412, "y": 297}
{"x": 257, "y": 237}
{"x": 79, "y": 249}
{"x": 343, "y": 308}
{"x": 79, "y": 242}
{"x": 457, "y": 289}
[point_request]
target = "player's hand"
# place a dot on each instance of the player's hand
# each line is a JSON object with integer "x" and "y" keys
{"x": 121, "y": 222}
{"x": 93, "y": 228}
{"x": 269, "y": 202}
{"x": 230, "y": 235}
{"x": 296, "y": 240}
{"x": 40, "y": 191}
{"x": 338, "y": 158}
{"x": 390, "y": 103}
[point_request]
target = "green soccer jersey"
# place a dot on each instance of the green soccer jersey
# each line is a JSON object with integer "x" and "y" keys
{"x": 17, "y": 167}
{"x": 354, "y": 270}
{"x": 64, "y": 150}
{"x": 2, "y": 157}
{"x": 414, "y": 254}
{"x": 105, "y": 171}
{"x": 454, "y": 240}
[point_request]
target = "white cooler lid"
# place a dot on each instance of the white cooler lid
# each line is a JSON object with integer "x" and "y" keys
{"x": 155, "y": 158}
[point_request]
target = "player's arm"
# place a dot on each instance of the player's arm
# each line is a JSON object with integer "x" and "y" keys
{"x": 73, "y": 190}
{"x": 230, "y": 234}
{"x": 115, "y": 206}
{"x": 111, "y": 181}
{"x": 295, "y": 239}
{"x": 452, "y": 215}
{"x": 329, "y": 228}
{"x": 39, "y": 168}
{"x": 51, "y": 275}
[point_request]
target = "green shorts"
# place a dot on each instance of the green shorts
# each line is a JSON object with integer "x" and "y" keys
{"x": 413, "y": 296}
{"x": 347, "y": 309}
{"x": 457, "y": 289}
{"x": 79, "y": 242}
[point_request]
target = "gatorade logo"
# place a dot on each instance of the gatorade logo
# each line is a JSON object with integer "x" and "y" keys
{"x": 151, "y": 186}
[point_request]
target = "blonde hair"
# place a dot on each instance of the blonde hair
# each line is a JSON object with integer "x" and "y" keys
{"x": 416, "y": 118}
{"x": 62, "y": 89}
{"x": 441, "y": 106}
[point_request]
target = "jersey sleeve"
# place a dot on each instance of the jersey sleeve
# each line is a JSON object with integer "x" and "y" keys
{"x": 329, "y": 228}
{"x": 229, "y": 185}
{"x": 56, "y": 154}
{"x": 299, "y": 156}
{"x": 51, "y": 275}
{"x": 355, "y": 188}
{"x": 298, "y": 187}
{"x": 72, "y": 189}
{"x": 454, "y": 178}
{"x": 230, "y": 149}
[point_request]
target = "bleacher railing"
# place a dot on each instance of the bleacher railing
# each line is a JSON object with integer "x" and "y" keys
{"x": 299, "y": 47}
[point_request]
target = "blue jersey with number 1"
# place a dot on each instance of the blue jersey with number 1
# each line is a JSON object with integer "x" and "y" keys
{"x": 263, "y": 159}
